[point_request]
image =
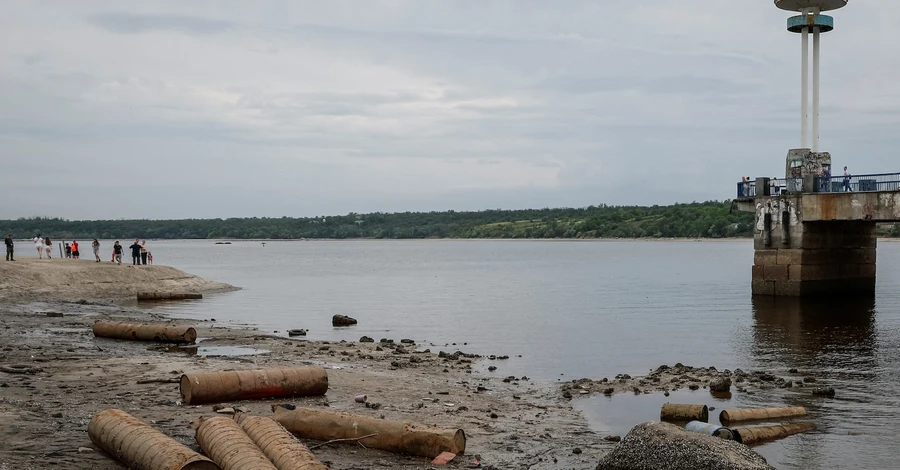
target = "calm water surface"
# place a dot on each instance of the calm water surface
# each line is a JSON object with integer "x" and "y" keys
{"x": 586, "y": 309}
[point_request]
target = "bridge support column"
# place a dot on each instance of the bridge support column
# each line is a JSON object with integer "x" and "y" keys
{"x": 800, "y": 258}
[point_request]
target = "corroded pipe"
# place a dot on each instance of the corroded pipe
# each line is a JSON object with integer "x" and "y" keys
{"x": 758, "y": 414}
{"x": 227, "y": 444}
{"x": 677, "y": 412}
{"x": 139, "y": 446}
{"x": 392, "y": 436}
{"x": 279, "y": 446}
{"x": 145, "y": 331}
{"x": 769, "y": 433}
{"x": 159, "y": 296}
{"x": 209, "y": 387}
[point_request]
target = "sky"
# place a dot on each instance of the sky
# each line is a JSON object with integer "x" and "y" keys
{"x": 209, "y": 109}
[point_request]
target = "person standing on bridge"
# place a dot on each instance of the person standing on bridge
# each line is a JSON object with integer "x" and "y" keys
{"x": 847, "y": 180}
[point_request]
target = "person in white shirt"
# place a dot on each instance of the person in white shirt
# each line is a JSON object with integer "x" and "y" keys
{"x": 39, "y": 244}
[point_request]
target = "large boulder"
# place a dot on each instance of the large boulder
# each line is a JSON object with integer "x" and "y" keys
{"x": 720, "y": 385}
{"x": 663, "y": 446}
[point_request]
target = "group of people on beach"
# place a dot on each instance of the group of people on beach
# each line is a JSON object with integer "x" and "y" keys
{"x": 139, "y": 252}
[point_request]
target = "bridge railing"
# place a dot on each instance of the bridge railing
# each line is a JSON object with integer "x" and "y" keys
{"x": 832, "y": 184}
{"x": 858, "y": 183}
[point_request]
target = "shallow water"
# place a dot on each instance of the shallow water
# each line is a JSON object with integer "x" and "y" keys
{"x": 584, "y": 309}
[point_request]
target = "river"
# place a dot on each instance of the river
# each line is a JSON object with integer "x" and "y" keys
{"x": 586, "y": 309}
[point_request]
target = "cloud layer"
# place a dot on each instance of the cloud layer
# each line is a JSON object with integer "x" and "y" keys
{"x": 216, "y": 109}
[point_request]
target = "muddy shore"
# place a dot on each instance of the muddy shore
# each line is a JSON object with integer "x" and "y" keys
{"x": 510, "y": 423}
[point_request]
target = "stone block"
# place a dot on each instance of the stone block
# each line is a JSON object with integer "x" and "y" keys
{"x": 758, "y": 273}
{"x": 822, "y": 272}
{"x": 761, "y": 287}
{"x": 765, "y": 257}
{"x": 849, "y": 271}
{"x": 788, "y": 257}
{"x": 795, "y": 272}
{"x": 789, "y": 288}
{"x": 862, "y": 255}
{"x": 867, "y": 271}
{"x": 775, "y": 273}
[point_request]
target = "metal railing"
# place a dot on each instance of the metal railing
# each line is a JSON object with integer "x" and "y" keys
{"x": 858, "y": 183}
{"x": 832, "y": 184}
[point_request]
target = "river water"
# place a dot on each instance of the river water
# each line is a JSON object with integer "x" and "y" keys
{"x": 586, "y": 309}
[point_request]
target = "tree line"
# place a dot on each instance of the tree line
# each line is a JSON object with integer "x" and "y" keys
{"x": 711, "y": 219}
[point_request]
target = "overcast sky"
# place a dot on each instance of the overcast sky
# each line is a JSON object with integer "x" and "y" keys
{"x": 301, "y": 108}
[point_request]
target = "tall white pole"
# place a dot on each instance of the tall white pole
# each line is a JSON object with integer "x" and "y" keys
{"x": 804, "y": 91}
{"x": 815, "y": 91}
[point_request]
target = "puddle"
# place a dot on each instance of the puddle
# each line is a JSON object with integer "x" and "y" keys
{"x": 228, "y": 351}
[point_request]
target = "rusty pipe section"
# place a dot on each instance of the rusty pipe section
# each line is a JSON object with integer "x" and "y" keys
{"x": 677, "y": 412}
{"x": 227, "y": 444}
{"x": 144, "y": 332}
{"x": 139, "y": 446}
{"x": 161, "y": 296}
{"x": 210, "y": 387}
{"x": 760, "y": 434}
{"x": 278, "y": 445}
{"x": 760, "y": 414}
{"x": 392, "y": 436}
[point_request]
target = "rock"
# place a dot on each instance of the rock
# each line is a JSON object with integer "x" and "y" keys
{"x": 492, "y": 368}
{"x": 792, "y": 371}
{"x": 615, "y": 438}
{"x": 824, "y": 392}
{"x": 407, "y": 341}
{"x": 567, "y": 395}
{"x": 297, "y": 332}
{"x": 54, "y": 314}
{"x": 576, "y": 451}
{"x": 342, "y": 320}
{"x": 722, "y": 384}
{"x": 85, "y": 450}
{"x": 809, "y": 380}
{"x": 366, "y": 339}
{"x": 666, "y": 446}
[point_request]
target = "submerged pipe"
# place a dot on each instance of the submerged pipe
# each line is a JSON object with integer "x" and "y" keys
{"x": 209, "y": 387}
{"x": 758, "y": 414}
{"x": 676, "y": 412}
{"x": 227, "y": 444}
{"x": 157, "y": 296}
{"x": 769, "y": 433}
{"x": 144, "y": 331}
{"x": 278, "y": 445}
{"x": 713, "y": 430}
{"x": 392, "y": 436}
{"x": 139, "y": 446}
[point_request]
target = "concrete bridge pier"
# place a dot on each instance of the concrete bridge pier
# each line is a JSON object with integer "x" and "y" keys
{"x": 816, "y": 258}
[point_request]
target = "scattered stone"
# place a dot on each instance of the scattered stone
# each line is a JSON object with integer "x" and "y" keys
{"x": 666, "y": 446}
{"x": 342, "y": 320}
{"x": 54, "y": 314}
{"x": 824, "y": 392}
{"x": 366, "y": 339}
{"x": 85, "y": 450}
{"x": 576, "y": 451}
{"x": 297, "y": 332}
{"x": 492, "y": 368}
{"x": 809, "y": 380}
{"x": 407, "y": 341}
{"x": 792, "y": 371}
{"x": 722, "y": 384}
{"x": 615, "y": 438}
{"x": 494, "y": 416}
{"x": 567, "y": 395}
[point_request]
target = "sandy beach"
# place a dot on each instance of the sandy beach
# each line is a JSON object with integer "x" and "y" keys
{"x": 46, "y": 311}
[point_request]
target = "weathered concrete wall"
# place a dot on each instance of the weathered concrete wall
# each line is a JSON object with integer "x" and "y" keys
{"x": 874, "y": 206}
{"x": 795, "y": 256}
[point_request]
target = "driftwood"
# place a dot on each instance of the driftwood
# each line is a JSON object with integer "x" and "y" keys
{"x": 392, "y": 436}
{"x": 141, "y": 447}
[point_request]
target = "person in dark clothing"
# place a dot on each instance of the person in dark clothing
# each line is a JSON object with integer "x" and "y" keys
{"x": 117, "y": 252}
{"x": 9, "y": 248}
{"x": 135, "y": 253}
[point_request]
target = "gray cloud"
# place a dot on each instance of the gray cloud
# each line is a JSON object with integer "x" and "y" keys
{"x": 191, "y": 109}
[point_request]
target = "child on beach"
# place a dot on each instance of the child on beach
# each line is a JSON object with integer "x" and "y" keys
{"x": 96, "y": 247}
{"x": 68, "y": 251}
{"x": 48, "y": 245}
{"x": 39, "y": 244}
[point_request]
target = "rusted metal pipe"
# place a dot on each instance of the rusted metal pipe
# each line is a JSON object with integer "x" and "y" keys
{"x": 209, "y": 387}
{"x": 713, "y": 430}
{"x": 160, "y": 296}
{"x": 145, "y": 332}
{"x": 139, "y": 446}
{"x": 227, "y": 444}
{"x": 677, "y": 412}
{"x": 392, "y": 436}
{"x": 756, "y": 435}
{"x": 759, "y": 414}
{"x": 278, "y": 445}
